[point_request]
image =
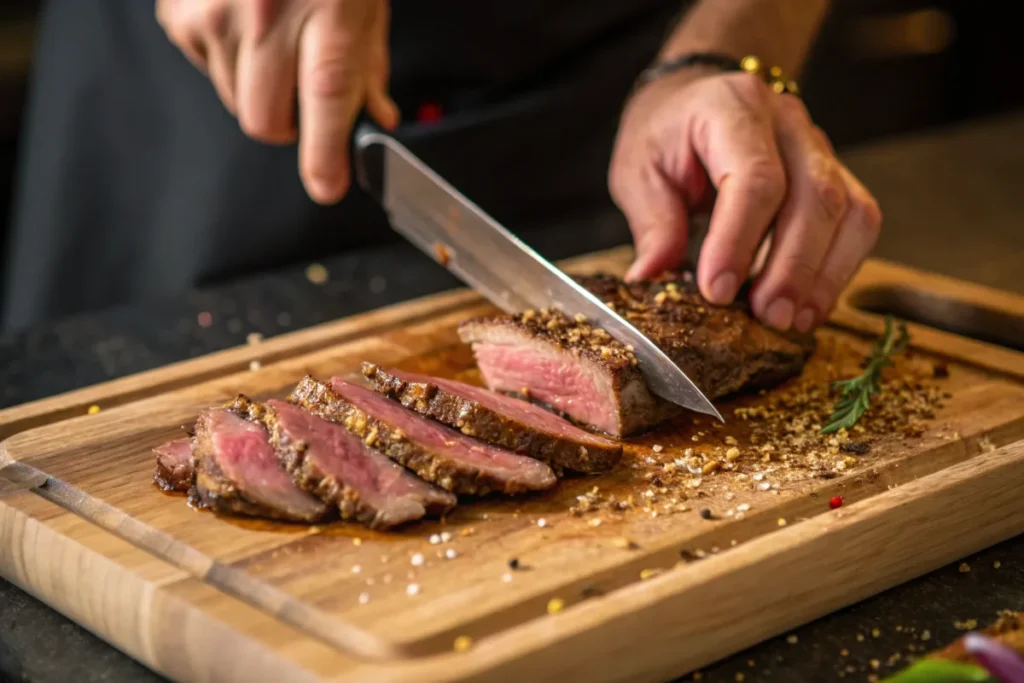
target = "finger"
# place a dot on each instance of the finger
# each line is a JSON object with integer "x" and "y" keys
{"x": 331, "y": 93}
{"x": 379, "y": 104}
{"x": 656, "y": 214}
{"x": 815, "y": 204}
{"x": 738, "y": 149}
{"x": 854, "y": 240}
{"x": 190, "y": 44}
{"x": 221, "y": 57}
{"x": 267, "y": 65}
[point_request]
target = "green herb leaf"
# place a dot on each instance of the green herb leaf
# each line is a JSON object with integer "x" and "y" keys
{"x": 855, "y": 393}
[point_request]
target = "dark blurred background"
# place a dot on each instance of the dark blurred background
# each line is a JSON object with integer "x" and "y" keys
{"x": 880, "y": 68}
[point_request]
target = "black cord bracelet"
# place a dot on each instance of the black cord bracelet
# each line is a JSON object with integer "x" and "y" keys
{"x": 750, "y": 64}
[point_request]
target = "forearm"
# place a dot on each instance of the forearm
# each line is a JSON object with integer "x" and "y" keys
{"x": 779, "y": 32}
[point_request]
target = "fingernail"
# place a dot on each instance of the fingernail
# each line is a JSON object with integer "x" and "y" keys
{"x": 780, "y": 314}
{"x": 723, "y": 289}
{"x": 804, "y": 320}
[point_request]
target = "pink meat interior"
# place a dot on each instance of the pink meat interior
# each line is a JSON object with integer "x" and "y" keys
{"x": 523, "y": 411}
{"x": 550, "y": 376}
{"x": 246, "y": 458}
{"x": 175, "y": 454}
{"x": 446, "y": 441}
{"x": 395, "y": 492}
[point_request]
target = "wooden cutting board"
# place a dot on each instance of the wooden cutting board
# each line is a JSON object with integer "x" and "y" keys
{"x": 642, "y": 593}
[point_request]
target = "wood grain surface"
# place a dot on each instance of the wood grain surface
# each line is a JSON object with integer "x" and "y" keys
{"x": 201, "y": 597}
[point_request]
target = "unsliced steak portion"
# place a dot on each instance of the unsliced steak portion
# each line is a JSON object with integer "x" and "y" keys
{"x": 497, "y": 419}
{"x": 174, "y": 469}
{"x": 238, "y": 472}
{"x": 435, "y": 452}
{"x": 337, "y": 467}
{"x": 582, "y": 372}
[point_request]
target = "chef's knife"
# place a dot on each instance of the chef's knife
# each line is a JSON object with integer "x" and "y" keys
{"x": 435, "y": 217}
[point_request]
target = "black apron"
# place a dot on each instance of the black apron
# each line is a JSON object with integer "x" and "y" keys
{"x": 135, "y": 183}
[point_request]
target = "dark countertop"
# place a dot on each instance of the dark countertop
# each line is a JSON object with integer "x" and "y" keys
{"x": 953, "y": 204}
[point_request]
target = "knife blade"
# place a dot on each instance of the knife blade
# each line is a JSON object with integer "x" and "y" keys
{"x": 450, "y": 228}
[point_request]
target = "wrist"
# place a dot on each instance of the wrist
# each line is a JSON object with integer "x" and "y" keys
{"x": 707, "y": 63}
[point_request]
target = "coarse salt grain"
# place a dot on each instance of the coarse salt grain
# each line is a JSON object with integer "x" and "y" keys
{"x": 782, "y": 521}
{"x": 445, "y": 536}
{"x": 792, "y": 639}
{"x": 462, "y": 643}
{"x": 542, "y": 522}
{"x": 357, "y": 542}
{"x": 417, "y": 560}
{"x": 356, "y": 569}
{"x": 764, "y": 486}
{"x": 364, "y": 598}
{"x": 451, "y": 553}
{"x": 964, "y": 567}
{"x": 412, "y": 589}
{"x": 254, "y": 365}
{"x": 657, "y": 448}
{"x": 594, "y": 522}
{"x": 506, "y": 577}
{"x": 253, "y": 338}
{"x": 435, "y": 539}
{"x": 743, "y": 507}
{"x": 555, "y": 605}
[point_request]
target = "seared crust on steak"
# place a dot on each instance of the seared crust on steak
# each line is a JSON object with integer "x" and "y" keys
{"x": 722, "y": 349}
{"x": 363, "y": 484}
{"x": 441, "y": 462}
{"x": 479, "y": 413}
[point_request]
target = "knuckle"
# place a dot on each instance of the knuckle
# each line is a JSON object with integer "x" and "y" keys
{"x": 829, "y": 191}
{"x": 796, "y": 274}
{"x": 766, "y": 180}
{"x": 215, "y": 19}
{"x": 333, "y": 77}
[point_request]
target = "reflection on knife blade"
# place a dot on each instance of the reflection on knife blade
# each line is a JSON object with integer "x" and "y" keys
{"x": 427, "y": 210}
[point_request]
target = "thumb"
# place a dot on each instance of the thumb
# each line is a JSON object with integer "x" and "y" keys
{"x": 656, "y": 214}
{"x": 379, "y": 104}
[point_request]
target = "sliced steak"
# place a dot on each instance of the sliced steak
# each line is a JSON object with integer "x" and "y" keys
{"x": 582, "y": 372}
{"x": 238, "y": 472}
{"x": 337, "y": 467}
{"x": 497, "y": 419}
{"x": 435, "y": 452}
{"x": 174, "y": 470}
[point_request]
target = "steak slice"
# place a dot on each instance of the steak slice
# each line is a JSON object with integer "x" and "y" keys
{"x": 497, "y": 419}
{"x": 174, "y": 470}
{"x": 435, "y": 452}
{"x": 582, "y": 372}
{"x": 237, "y": 472}
{"x": 337, "y": 467}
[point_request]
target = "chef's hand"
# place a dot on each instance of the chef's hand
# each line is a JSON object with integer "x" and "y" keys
{"x": 260, "y": 53}
{"x": 687, "y": 136}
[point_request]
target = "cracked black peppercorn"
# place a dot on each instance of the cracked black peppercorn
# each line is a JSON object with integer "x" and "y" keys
{"x": 705, "y": 513}
{"x": 513, "y": 563}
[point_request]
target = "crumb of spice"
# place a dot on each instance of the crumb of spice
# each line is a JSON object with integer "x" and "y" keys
{"x": 542, "y": 522}
{"x": 451, "y": 553}
{"x": 792, "y": 639}
{"x": 417, "y": 560}
{"x": 926, "y": 635}
{"x": 446, "y": 536}
{"x": 93, "y": 409}
{"x": 253, "y": 338}
{"x": 364, "y": 598}
{"x": 997, "y": 564}
{"x": 513, "y": 563}
{"x": 782, "y": 521}
{"x": 254, "y": 365}
{"x": 443, "y": 253}
{"x": 412, "y": 589}
{"x": 739, "y": 676}
{"x": 844, "y": 652}
{"x": 964, "y": 568}
{"x": 705, "y": 513}
{"x": 435, "y": 539}
{"x": 875, "y": 633}
{"x": 356, "y": 569}
{"x": 649, "y": 573}
{"x": 657, "y": 448}
{"x": 462, "y": 643}
{"x": 835, "y": 503}
{"x": 357, "y": 542}
{"x": 624, "y": 543}
{"x": 555, "y": 605}
{"x": 317, "y": 273}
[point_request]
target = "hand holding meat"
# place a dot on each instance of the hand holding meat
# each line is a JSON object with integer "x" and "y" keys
{"x": 686, "y": 136}
{"x": 261, "y": 54}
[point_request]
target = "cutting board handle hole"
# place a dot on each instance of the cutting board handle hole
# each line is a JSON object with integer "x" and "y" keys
{"x": 958, "y": 317}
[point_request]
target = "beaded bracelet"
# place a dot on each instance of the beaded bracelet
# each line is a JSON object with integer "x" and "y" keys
{"x": 751, "y": 64}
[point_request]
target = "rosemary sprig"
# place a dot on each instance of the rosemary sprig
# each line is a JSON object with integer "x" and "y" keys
{"x": 855, "y": 393}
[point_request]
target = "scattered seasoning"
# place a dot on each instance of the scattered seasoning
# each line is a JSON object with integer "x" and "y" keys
{"x": 462, "y": 643}
{"x": 624, "y": 543}
{"x": 417, "y": 560}
{"x": 705, "y": 513}
{"x": 317, "y": 273}
{"x": 513, "y": 563}
{"x": 253, "y": 338}
{"x": 657, "y": 448}
{"x": 364, "y": 598}
{"x": 356, "y": 568}
{"x": 412, "y": 589}
{"x": 254, "y": 365}
{"x": 855, "y": 447}
{"x": 649, "y": 573}
{"x": 875, "y": 633}
{"x": 445, "y": 536}
{"x": 964, "y": 568}
{"x": 844, "y": 652}
{"x": 782, "y": 521}
{"x": 542, "y": 522}
{"x": 733, "y": 454}
{"x": 93, "y": 409}
{"x": 997, "y": 564}
{"x": 451, "y": 553}
{"x": 443, "y": 253}
{"x": 739, "y": 676}
{"x": 205, "y": 319}
{"x": 926, "y": 635}
{"x": 966, "y": 625}
{"x": 792, "y": 639}
{"x": 860, "y": 637}
{"x": 835, "y": 503}
{"x": 435, "y": 539}
{"x": 743, "y": 507}
{"x": 940, "y": 371}
{"x": 357, "y": 542}
{"x": 506, "y": 578}
{"x": 594, "y": 522}
{"x": 555, "y": 605}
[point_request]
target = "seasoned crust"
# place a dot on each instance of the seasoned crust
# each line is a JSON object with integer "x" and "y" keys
{"x": 476, "y": 420}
